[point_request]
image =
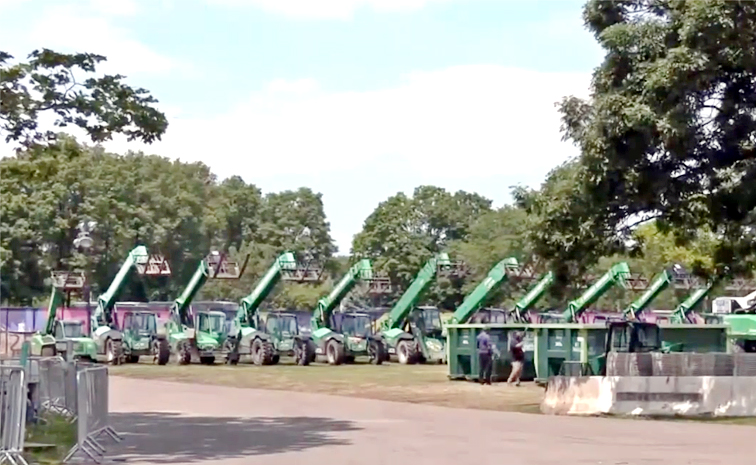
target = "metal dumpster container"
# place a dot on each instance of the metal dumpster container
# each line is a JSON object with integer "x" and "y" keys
{"x": 463, "y": 355}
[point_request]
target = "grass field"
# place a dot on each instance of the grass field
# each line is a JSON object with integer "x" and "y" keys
{"x": 424, "y": 384}
{"x": 51, "y": 430}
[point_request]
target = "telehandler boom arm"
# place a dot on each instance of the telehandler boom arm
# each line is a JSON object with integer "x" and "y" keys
{"x": 104, "y": 312}
{"x": 657, "y": 286}
{"x": 617, "y": 275}
{"x": 534, "y": 295}
{"x": 249, "y": 305}
{"x": 407, "y": 301}
{"x": 682, "y": 312}
{"x": 214, "y": 266}
{"x": 360, "y": 271}
{"x": 477, "y": 297}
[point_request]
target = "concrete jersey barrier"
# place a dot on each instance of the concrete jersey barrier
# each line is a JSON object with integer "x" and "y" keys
{"x": 726, "y": 396}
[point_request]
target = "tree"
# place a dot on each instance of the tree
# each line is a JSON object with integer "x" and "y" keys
{"x": 403, "y": 232}
{"x": 101, "y": 106}
{"x": 495, "y": 235}
{"x": 668, "y": 134}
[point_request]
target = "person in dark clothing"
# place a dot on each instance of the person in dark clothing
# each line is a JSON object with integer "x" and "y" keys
{"x": 485, "y": 355}
{"x": 518, "y": 359}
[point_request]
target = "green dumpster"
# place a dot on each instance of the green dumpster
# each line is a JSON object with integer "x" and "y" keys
{"x": 463, "y": 354}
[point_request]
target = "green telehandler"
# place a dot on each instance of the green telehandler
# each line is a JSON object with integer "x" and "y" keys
{"x": 265, "y": 341}
{"x": 111, "y": 341}
{"x": 415, "y": 334}
{"x": 352, "y": 335}
{"x": 67, "y": 338}
{"x": 201, "y": 335}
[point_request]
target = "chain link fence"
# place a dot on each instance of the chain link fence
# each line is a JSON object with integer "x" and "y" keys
{"x": 680, "y": 364}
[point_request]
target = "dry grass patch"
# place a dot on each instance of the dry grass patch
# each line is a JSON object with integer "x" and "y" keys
{"x": 423, "y": 384}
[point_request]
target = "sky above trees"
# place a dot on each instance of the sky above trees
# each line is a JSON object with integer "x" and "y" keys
{"x": 357, "y": 99}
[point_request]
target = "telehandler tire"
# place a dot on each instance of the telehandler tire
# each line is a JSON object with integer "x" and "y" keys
{"x": 184, "y": 354}
{"x": 300, "y": 353}
{"x": 335, "y": 352}
{"x": 113, "y": 352}
{"x": 162, "y": 351}
{"x": 376, "y": 352}
{"x": 262, "y": 352}
{"x": 406, "y": 352}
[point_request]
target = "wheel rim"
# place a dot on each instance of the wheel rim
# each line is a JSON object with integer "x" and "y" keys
{"x": 331, "y": 354}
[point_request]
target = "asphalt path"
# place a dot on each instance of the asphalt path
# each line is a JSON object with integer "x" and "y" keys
{"x": 177, "y": 423}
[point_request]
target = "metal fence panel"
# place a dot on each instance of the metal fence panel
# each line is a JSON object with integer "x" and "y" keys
{"x": 13, "y": 400}
{"x": 57, "y": 386}
{"x": 92, "y": 420}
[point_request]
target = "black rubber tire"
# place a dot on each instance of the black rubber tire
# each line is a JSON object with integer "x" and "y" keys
{"x": 115, "y": 349}
{"x": 184, "y": 353}
{"x": 301, "y": 356}
{"x": 268, "y": 357}
{"x": 406, "y": 352}
{"x": 163, "y": 351}
{"x": 376, "y": 352}
{"x": 311, "y": 351}
{"x": 335, "y": 352}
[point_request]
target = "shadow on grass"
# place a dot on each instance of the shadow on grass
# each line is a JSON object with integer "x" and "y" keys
{"x": 172, "y": 438}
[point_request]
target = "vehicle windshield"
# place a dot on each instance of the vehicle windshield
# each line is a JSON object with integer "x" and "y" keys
{"x": 356, "y": 325}
{"x": 143, "y": 323}
{"x": 288, "y": 326}
{"x": 73, "y": 329}
{"x": 211, "y": 323}
{"x": 429, "y": 321}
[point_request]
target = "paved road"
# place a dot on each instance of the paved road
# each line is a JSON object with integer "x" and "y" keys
{"x": 172, "y": 423}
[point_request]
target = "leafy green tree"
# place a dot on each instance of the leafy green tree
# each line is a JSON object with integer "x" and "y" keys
{"x": 667, "y": 134}
{"x": 403, "y": 232}
{"x": 47, "y": 84}
{"x": 495, "y": 235}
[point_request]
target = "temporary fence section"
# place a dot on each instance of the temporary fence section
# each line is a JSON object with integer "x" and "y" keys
{"x": 56, "y": 390}
{"x": 92, "y": 414}
{"x": 13, "y": 402}
{"x": 680, "y": 364}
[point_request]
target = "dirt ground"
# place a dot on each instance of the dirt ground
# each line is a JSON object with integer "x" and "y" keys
{"x": 423, "y": 384}
{"x": 181, "y": 423}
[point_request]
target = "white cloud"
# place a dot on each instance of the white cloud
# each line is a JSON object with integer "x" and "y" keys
{"x": 115, "y": 8}
{"x": 70, "y": 29}
{"x": 326, "y": 9}
{"x": 455, "y": 123}
{"x": 85, "y": 25}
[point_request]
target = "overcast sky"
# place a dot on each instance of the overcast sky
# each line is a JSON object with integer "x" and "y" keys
{"x": 357, "y": 99}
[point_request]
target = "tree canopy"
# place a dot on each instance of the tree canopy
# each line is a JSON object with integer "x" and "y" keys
{"x": 666, "y": 140}
{"x": 100, "y": 105}
{"x": 667, "y": 134}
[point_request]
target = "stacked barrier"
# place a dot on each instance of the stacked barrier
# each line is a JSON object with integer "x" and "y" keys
{"x": 13, "y": 402}
{"x": 680, "y": 364}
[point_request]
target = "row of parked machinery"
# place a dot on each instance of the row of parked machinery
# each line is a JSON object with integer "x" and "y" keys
{"x": 408, "y": 332}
